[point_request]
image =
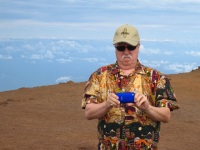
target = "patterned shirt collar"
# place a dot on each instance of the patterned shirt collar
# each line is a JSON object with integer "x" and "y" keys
{"x": 139, "y": 69}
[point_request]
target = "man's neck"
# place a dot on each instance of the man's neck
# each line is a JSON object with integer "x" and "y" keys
{"x": 128, "y": 71}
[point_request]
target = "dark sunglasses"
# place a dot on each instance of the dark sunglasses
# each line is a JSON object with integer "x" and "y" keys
{"x": 122, "y": 48}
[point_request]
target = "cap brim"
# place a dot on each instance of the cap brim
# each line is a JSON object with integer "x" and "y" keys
{"x": 133, "y": 43}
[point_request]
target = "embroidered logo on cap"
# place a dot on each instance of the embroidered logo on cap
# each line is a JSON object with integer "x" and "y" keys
{"x": 125, "y": 33}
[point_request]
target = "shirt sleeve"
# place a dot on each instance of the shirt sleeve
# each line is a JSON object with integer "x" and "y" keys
{"x": 165, "y": 95}
{"x": 91, "y": 93}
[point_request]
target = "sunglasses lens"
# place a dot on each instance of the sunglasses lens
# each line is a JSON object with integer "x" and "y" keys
{"x": 120, "y": 48}
{"x": 131, "y": 48}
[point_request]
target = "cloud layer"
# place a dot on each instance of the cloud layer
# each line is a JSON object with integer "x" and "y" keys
{"x": 46, "y": 42}
{"x": 77, "y": 19}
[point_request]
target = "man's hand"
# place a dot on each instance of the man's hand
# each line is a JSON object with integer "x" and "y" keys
{"x": 141, "y": 101}
{"x": 112, "y": 100}
{"x": 161, "y": 114}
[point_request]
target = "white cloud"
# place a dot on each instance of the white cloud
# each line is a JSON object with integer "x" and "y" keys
{"x": 64, "y": 60}
{"x": 156, "y": 40}
{"x": 63, "y": 79}
{"x": 28, "y": 47}
{"x": 160, "y": 62}
{"x": 83, "y": 19}
{"x": 193, "y": 53}
{"x": 149, "y": 50}
{"x": 5, "y": 57}
{"x": 92, "y": 59}
{"x": 154, "y": 64}
{"x": 36, "y": 56}
{"x": 66, "y": 46}
{"x": 178, "y": 68}
{"x": 9, "y": 48}
{"x": 46, "y": 55}
{"x": 79, "y": 25}
{"x": 87, "y": 59}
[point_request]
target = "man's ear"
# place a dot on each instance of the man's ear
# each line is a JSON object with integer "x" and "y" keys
{"x": 138, "y": 47}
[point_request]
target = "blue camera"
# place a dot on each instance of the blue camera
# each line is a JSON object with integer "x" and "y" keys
{"x": 126, "y": 97}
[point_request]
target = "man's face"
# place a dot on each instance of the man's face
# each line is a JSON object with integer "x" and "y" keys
{"x": 128, "y": 56}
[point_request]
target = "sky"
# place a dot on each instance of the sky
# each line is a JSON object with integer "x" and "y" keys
{"x": 49, "y": 42}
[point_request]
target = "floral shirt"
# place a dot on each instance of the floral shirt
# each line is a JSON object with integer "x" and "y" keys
{"x": 127, "y": 127}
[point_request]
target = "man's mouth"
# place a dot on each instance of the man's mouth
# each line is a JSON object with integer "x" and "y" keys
{"x": 127, "y": 56}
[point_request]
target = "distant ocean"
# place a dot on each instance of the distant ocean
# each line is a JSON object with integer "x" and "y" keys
{"x": 38, "y": 62}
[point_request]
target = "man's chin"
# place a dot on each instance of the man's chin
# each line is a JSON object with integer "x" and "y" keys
{"x": 127, "y": 60}
{"x": 127, "y": 63}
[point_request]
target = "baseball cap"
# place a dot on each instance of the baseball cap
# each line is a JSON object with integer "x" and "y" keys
{"x": 128, "y": 34}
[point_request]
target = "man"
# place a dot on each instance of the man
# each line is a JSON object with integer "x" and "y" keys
{"x": 134, "y": 125}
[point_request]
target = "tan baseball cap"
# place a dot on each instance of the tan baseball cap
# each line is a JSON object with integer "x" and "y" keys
{"x": 128, "y": 34}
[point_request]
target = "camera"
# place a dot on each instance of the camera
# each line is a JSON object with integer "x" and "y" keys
{"x": 126, "y": 97}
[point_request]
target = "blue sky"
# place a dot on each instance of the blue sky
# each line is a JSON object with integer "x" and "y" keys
{"x": 48, "y": 42}
{"x": 81, "y": 19}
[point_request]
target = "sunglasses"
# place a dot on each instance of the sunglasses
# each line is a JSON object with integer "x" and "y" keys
{"x": 122, "y": 48}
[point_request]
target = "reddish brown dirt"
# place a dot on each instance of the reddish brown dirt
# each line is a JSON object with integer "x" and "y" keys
{"x": 51, "y": 118}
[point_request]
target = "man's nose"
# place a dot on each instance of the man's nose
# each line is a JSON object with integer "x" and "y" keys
{"x": 126, "y": 50}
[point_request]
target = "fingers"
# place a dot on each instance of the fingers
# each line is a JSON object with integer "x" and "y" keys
{"x": 139, "y": 98}
{"x": 112, "y": 100}
{"x": 141, "y": 101}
